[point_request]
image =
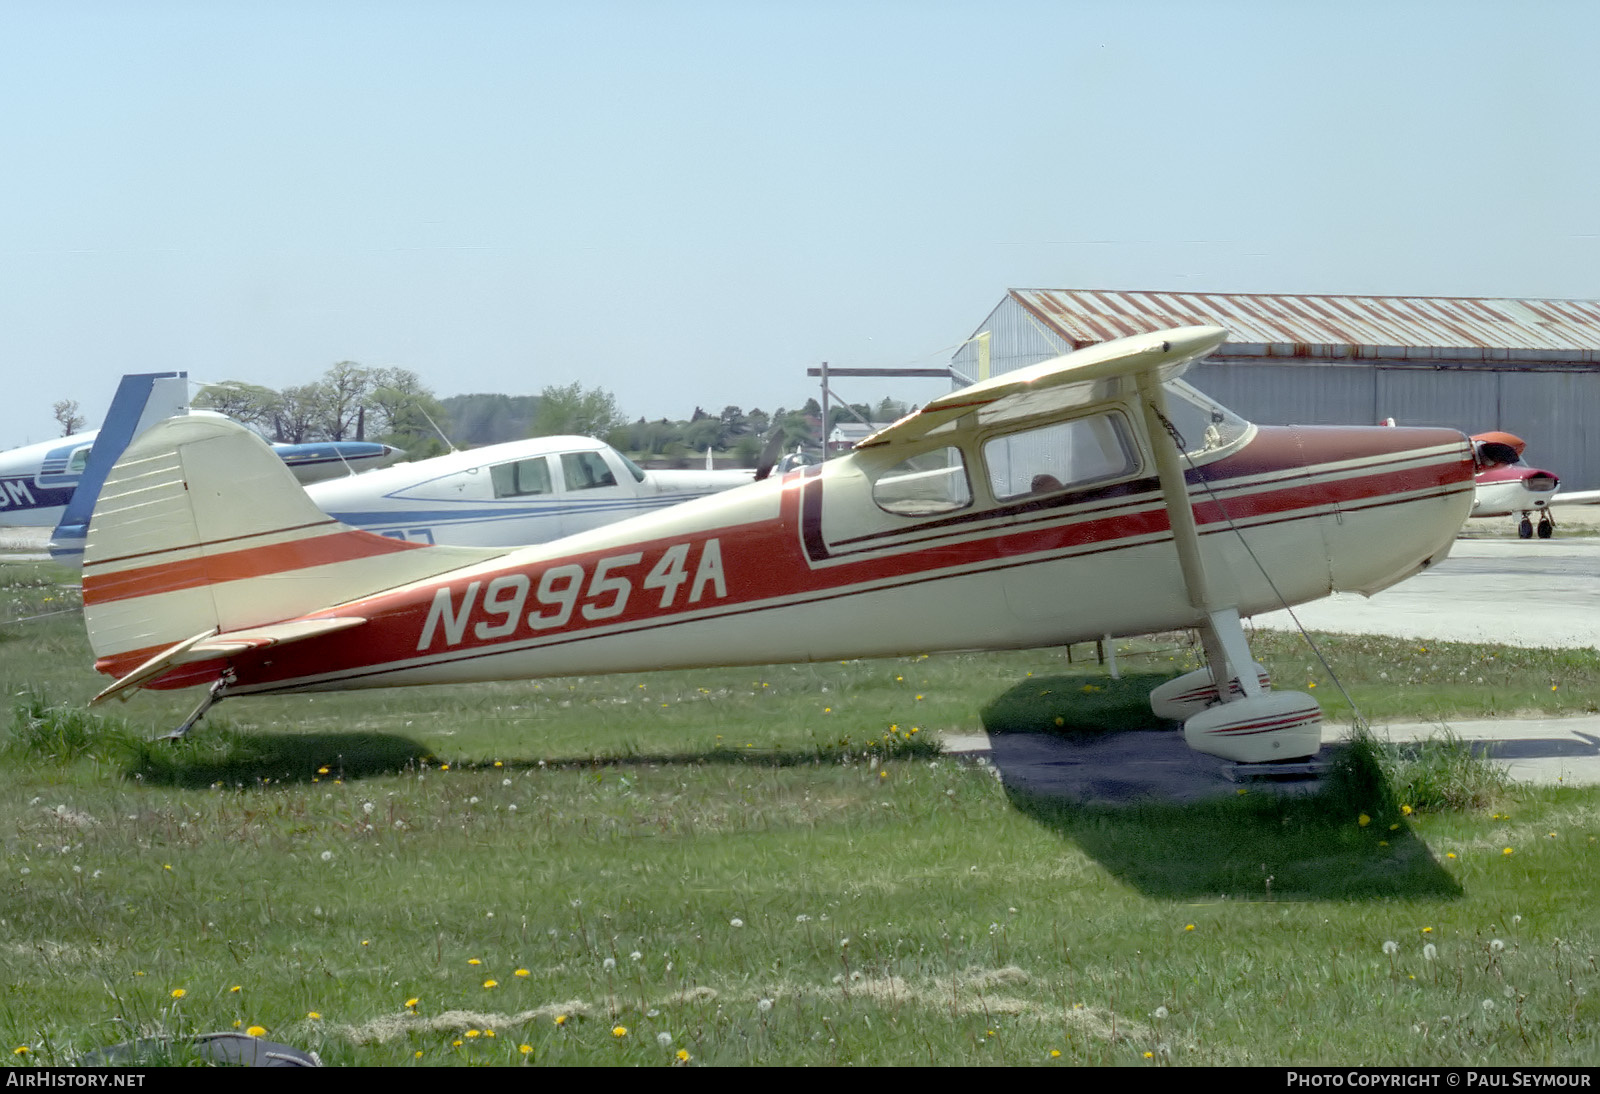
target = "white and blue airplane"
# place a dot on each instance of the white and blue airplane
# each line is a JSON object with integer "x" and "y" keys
{"x": 37, "y": 481}
{"x": 54, "y": 484}
{"x": 513, "y": 494}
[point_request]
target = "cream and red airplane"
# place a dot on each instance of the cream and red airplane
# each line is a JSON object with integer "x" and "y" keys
{"x": 1089, "y": 495}
{"x": 1505, "y": 486}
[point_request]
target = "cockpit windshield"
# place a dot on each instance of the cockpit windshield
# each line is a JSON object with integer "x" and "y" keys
{"x": 1204, "y": 426}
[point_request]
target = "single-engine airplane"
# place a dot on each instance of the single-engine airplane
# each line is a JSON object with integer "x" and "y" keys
{"x": 512, "y": 494}
{"x": 1505, "y": 486}
{"x": 1089, "y": 495}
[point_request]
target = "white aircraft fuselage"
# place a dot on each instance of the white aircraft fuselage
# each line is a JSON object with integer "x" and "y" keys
{"x": 511, "y": 494}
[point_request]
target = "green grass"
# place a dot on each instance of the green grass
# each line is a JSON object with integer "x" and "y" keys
{"x": 343, "y": 854}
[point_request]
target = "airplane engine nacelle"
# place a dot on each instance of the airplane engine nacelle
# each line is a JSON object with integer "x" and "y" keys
{"x": 1273, "y": 728}
{"x": 1189, "y": 694}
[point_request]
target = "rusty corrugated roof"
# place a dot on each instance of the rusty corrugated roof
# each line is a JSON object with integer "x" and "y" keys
{"x": 1279, "y": 325}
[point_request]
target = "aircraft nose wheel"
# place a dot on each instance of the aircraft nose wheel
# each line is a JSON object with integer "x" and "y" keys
{"x": 1525, "y": 529}
{"x": 1546, "y": 527}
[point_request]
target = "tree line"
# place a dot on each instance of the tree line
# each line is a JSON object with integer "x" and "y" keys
{"x": 392, "y": 405}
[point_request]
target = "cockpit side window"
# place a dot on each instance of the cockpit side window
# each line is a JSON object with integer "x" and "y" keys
{"x": 1079, "y": 452}
{"x": 79, "y": 460}
{"x": 927, "y": 483}
{"x": 521, "y": 478}
{"x": 586, "y": 471}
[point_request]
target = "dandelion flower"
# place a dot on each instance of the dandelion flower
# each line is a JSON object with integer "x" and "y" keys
{"x": 491, "y": 983}
{"x": 1406, "y": 809}
{"x": 1495, "y": 945}
{"x": 411, "y": 1004}
{"x": 1363, "y": 820}
{"x": 1507, "y": 851}
{"x": 473, "y": 1034}
{"x": 520, "y": 972}
{"x": 1449, "y": 854}
{"x": 608, "y": 964}
{"x": 1429, "y": 952}
{"x": 1160, "y": 1013}
{"x": 178, "y": 993}
{"x": 764, "y": 1005}
{"x": 257, "y": 1031}
{"x": 1149, "y": 1055}
{"x": 1188, "y": 926}
{"x": 736, "y": 922}
{"x": 663, "y": 1039}
{"x": 21, "y": 1050}
{"x": 619, "y": 1031}
{"x": 236, "y": 989}
{"x": 683, "y": 1056}
{"x": 327, "y": 856}
{"x": 1055, "y": 1053}
{"x": 561, "y": 1019}
{"x": 1391, "y": 948}
{"x": 313, "y": 1015}
{"x": 473, "y": 961}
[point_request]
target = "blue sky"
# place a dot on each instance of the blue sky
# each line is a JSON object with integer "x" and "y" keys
{"x": 691, "y": 203}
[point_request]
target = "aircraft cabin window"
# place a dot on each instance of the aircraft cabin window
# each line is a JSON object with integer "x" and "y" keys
{"x": 931, "y": 482}
{"x": 1060, "y": 455}
{"x": 521, "y": 478}
{"x": 79, "y": 460}
{"x": 586, "y": 471}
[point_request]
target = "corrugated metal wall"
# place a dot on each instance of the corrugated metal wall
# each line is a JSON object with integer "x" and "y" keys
{"x": 1551, "y": 410}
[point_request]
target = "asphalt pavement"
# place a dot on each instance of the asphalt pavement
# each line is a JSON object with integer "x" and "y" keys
{"x": 1531, "y": 593}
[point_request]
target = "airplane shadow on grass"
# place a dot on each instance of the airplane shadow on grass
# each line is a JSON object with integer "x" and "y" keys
{"x": 1096, "y": 766}
{"x": 234, "y": 758}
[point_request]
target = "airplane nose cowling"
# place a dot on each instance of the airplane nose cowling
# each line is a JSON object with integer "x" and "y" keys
{"x": 1398, "y": 499}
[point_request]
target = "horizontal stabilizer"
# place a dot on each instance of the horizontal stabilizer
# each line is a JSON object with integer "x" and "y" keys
{"x": 208, "y": 645}
{"x": 1050, "y": 384}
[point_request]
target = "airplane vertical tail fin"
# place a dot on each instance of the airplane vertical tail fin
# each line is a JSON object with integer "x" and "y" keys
{"x": 141, "y": 401}
{"x": 200, "y": 528}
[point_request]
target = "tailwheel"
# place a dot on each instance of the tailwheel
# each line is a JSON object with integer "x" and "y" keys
{"x": 1268, "y": 728}
{"x": 1525, "y": 529}
{"x": 1546, "y": 526}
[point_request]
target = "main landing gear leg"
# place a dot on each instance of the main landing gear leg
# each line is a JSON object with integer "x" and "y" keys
{"x": 213, "y": 694}
{"x": 1245, "y": 721}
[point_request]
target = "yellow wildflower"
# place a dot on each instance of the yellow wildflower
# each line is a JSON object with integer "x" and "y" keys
{"x": 619, "y": 1031}
{"x": 257, "y": 1031}
{"x": 178, "y": 993}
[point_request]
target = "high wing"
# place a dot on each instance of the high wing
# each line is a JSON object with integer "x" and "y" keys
{"x": 1078, "y": 377}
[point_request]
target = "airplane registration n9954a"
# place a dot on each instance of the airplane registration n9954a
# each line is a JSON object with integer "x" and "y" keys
{"x": 1089, "y": 495}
